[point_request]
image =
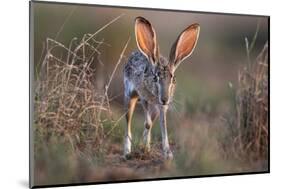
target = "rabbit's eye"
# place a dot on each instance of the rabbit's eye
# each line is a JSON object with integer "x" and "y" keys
{"x": 155, "y": 78}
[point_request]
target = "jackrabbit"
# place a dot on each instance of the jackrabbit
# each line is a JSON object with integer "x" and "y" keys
{"x": 149, "y": 78}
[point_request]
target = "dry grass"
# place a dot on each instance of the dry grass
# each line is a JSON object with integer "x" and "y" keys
{"x": 249, "y": 130}
{"x": 68, "y": 104}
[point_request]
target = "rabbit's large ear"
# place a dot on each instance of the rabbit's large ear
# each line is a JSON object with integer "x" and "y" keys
{"x": 146, "y": 39}
{"x": 184, "y": 45}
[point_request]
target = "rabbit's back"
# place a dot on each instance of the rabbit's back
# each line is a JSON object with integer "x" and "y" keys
{"x": 138, "y": 77}
{"x": 136, "y": 65}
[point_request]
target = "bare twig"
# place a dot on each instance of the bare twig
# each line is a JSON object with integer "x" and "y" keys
{"x": 111, "y": 77}
{"x": 65, "y": 21}
{"x": 102, "y": 28}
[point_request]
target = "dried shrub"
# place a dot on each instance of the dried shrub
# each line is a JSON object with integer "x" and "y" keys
{"x": 67, "y": 102}
{"x": 68, "y": 105}
{"x": 249, "y": 135}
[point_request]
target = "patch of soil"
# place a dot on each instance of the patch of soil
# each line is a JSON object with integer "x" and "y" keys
{"x": 142, "y": 163}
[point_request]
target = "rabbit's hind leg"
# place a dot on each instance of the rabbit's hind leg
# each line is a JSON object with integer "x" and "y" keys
{"x": 130, "y": 103}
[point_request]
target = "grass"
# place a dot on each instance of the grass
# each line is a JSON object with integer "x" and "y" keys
{"x": 250, "y": 128}
{"x": 78, "y": 130}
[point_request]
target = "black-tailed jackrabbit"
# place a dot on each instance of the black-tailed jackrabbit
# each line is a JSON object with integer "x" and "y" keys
{"x": 149, "y": 78}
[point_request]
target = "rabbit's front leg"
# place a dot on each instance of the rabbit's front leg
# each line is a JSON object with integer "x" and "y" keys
{"x": 165, "y": 142}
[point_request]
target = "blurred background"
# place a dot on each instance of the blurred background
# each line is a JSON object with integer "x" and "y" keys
{"x": 204, "y": 94}
{"x": 219, "y": 51}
